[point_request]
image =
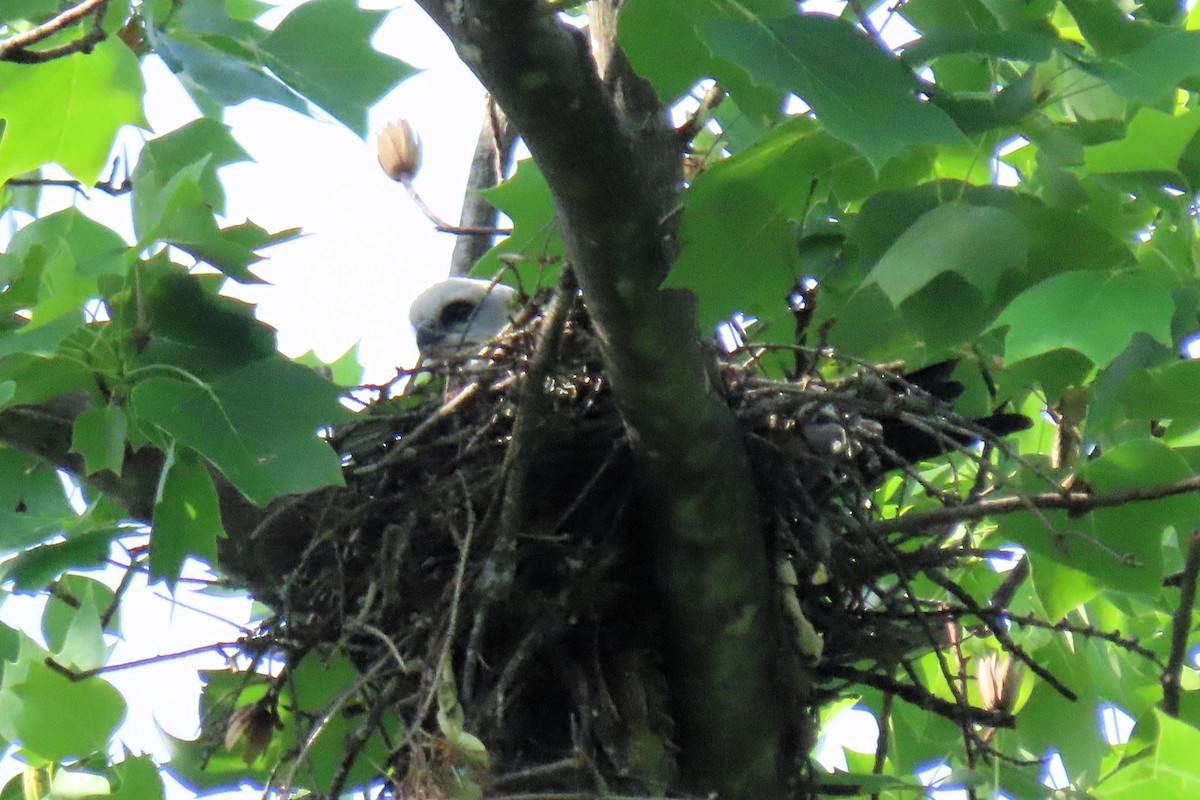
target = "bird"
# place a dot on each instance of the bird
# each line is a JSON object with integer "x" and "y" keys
{"x": 913, "y": 444}
{"x": 458, "y": 315}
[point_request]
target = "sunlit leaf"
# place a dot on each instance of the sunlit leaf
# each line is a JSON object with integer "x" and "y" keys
{"x": 1092, "y": 314}
{"x": 1155, "y": 142}
{"x": 53, "y": 716}
{"x": 68, "y": 110}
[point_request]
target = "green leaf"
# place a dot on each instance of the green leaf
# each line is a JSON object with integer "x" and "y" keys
{"x": 525, "y": 199}
{"x": 32, "y": 10}
{"x": 741, "y": 218}
{"x": 53, "y": 716}
{"x": 649, "y": 30}
{"x": 38, "y": 567}
{"x": 204, "y": 141}
{"x": 1168, "y": 391}
{"x": 1171, "y": 771}
{"x": 1121, "y": 547}
{"x": 1148, "y": 73}
{"x": 858, "y": 92}
{"x": 193, "y": 328}
{"x": 1027, "y": 46}
{"x": 193, "y": 229}
{"x": 978, "y": 243}
{"x": 32, "y": 503}
{"x": 53, "y": 267}
{"x": 323, "y": 51}
{"x": 345, "y": 370}
{"x": 71, "y": 594}
{"x": 1089, "y": 313}
{"x": 67, "y": 111}
{"x": 187, "y": 517}
{"x": 217, "y": 70}
{"x": 257, "y": 424}
{"x": 1059, "y": 588}
{"x": 1154, "y": 142}
{"x": 99, "y": 436}
{"x": 83, "y": 647}
{"x": 137, "y": 779}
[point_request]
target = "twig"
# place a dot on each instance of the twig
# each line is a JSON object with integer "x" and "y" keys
{"x": 882, "y": 741}
{"x": 919, "y": 697}
{"x": 15, "y": 48}
{"x": 441, "y": 225}
{"x": 998, "y": 631}
{"x": 1074, "y": 503}
{"x": 1181, "y": 626}
{"x": 79, "y": 675}
{"x": 108, "y": 187}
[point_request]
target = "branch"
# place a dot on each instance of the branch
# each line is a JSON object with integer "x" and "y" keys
{"x": 1181, "y": 626}
{"x": 1074, "y": 503}
{"x": 493, "y": 156}
{"x": 615, "y": 174}
{"x": 15, "y": 48}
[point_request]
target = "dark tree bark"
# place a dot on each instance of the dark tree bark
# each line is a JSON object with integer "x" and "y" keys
{"x": 614, "y": 172}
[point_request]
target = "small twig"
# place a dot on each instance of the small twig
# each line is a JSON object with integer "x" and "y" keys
{"x": 882, "y": 741}
{"x": 864, "y": 19}
{"x": 442, "y": 225}
{"x": 1001, "y": 634}
{"x": 1181, "y": 626}
{"x": 332, "y": 710}
{"x": 354, "y": 742}
{"x": 919, "y": 697}
{"x": 1074, "y": 503}
{"x": 15, "y": 48}
{"x": 79, "y": 675}
{"x": 568, "y": 764}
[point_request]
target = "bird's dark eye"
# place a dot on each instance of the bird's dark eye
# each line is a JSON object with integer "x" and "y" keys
{"x": 456, "y": 313}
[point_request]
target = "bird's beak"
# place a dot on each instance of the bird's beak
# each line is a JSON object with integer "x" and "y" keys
{"x": 429, "y": 337}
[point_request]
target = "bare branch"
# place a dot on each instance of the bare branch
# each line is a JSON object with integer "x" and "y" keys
{"x": 1181, "y": 626}
{"x": 1074, "y": 503}
{"x": 493, "y": 156}
{"x": 15, "y": 48}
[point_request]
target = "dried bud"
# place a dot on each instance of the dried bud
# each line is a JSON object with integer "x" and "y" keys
{"x": 399, "y": 151}
{"x": 252, "y": 726}
{"x": 999, "y": 681}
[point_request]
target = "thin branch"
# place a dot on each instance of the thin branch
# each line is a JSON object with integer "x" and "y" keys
{"x": 1075, "y": 503}
{"x": 920, "y": 697}
{"x": 442, "y": 225}
{"x": 79, "y": 675}
{"x": 490, "y": 163}
{"x": 108, "y": 187}
{"x": 1181, "y": 626}
{"x": 15, "y": 48}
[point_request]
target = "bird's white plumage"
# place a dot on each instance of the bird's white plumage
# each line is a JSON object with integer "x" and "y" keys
{"x": 459, "y": 314}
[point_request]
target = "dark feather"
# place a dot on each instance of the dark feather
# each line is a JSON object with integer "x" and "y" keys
{"x": 912, "y": 444}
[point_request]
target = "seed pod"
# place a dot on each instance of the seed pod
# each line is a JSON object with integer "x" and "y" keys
{"x": 399, "y": 151}
{"x": 250, "y": 727}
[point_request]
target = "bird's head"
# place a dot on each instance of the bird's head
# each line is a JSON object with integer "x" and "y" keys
{"x": 458, "y": 315}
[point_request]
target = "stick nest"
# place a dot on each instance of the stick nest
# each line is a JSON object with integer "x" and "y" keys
{"x": 489, "y": 587}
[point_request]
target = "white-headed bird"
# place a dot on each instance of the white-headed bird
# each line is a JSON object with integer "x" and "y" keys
{"x": 458, "y": 315}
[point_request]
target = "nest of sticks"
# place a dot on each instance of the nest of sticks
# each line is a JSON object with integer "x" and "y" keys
{"x": 526, "y": 614}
